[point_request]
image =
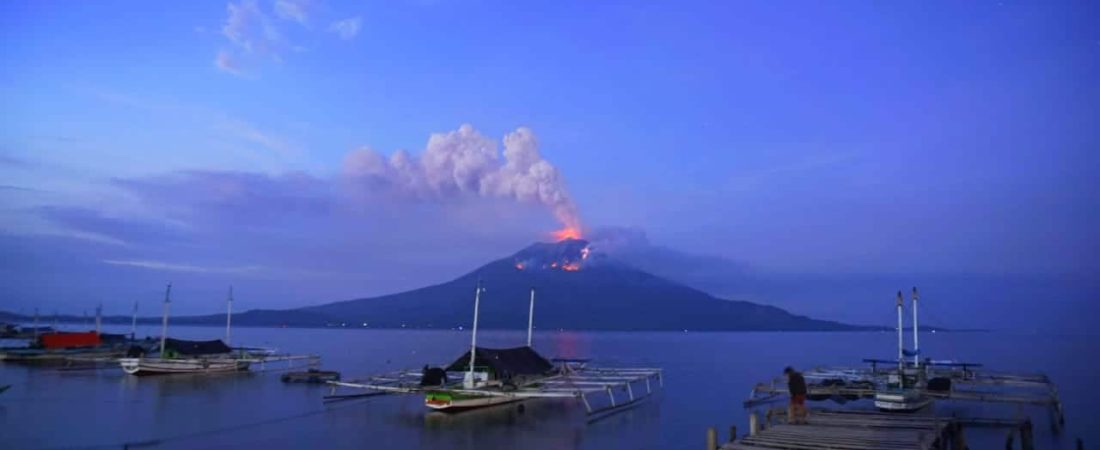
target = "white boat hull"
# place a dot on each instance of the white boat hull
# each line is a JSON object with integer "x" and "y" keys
{"x": 159, "y": 366}
{"x": 901, "y": 401}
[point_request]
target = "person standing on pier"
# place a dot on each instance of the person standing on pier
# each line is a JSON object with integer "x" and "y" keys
{"x": 796, "y": 386}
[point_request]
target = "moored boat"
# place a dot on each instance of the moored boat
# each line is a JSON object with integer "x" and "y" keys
{"x": 178, "y": 356}
{"x": 485, "y": 377}
{"x": 163, "y": 366}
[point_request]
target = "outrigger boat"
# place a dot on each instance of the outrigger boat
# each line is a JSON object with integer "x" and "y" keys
{"x": 904, "y": 388}
{"x": 484, "y": 377}
{"x": 179, "y": 356}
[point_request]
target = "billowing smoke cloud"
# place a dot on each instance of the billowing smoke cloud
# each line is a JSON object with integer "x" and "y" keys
{"x": 463, "y": 162}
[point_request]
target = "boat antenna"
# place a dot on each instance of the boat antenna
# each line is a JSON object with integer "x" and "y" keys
{"x": 916, "y": 341}
{"x": 473, "y": 339}
{"x": 228, "y": 314}
{"x": 531, "y": 317}
{"x": 901, "y": 343}
{"x": 98, "y": 318}
{"x": 164, "y": 323}
{"x": 133, "y": 323}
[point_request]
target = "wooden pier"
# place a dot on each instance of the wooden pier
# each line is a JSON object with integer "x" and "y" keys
{"x": 853, "y": 430}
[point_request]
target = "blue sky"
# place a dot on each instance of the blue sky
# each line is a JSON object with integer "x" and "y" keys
{"x": 210, "y": 143}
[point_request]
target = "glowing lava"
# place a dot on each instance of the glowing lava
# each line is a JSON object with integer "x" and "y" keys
{"x": 566, "y": 233}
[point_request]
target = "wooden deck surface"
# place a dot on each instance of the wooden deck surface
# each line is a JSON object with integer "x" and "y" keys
{"x": 854, "y": 430}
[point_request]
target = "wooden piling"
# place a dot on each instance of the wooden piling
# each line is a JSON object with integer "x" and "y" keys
{"x": 1027, "y": 441}
{"x": 960, "y": 438}
{"x": 733, "y": 433}
{"x": 712, "y": 439}
{"x": 1080, "y": 444}
{"x": 1009, "y": 439}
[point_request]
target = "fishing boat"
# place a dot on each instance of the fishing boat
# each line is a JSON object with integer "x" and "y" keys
{"x": 50, "y": 346}
{"x": 904, "y": 390}
{"x": 181, "y": 356}
{"x": 177, "y": 356}
{"x": 484, "y": 377}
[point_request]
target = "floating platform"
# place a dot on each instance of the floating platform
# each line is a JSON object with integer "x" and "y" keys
{"x": 311, "y": 376}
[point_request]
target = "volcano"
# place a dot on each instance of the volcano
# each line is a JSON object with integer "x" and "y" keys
{"x": 576, "y": 288}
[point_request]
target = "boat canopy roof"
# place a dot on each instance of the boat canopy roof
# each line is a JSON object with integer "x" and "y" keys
{"x": 514, "y": 361}
{"x": 183, "y": 347}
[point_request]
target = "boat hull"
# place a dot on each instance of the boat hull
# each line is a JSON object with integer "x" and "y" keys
{"x": 159, "y": 366}
{"x": 901, "y": 401}
{"x": 451, "y": 402}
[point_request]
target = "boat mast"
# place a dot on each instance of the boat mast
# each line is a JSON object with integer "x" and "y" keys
{"x": 916, "y": 341}
{"x": 228, "y": 314}
{"x": 531, "y": 317}
{"x": 164, "y": 323}
{"x": 473, "y": 339}
{"x": 98, "y": 318}
{"x": 901, "y": 342}
{"x": 35, "y": 325}
{"x": 133, "y": 323}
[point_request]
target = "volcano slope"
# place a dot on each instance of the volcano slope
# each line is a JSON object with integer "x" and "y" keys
{"x": 575, "y": 287}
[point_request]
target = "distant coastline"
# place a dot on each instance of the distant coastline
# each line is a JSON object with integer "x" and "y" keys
{"x": 203, "y": 321}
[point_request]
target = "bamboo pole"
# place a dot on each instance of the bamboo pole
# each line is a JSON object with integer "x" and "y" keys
{"x": 473, "y": 336}
{"x": 164, "y": 320}
{"x": 916, "y": 338}
{"x": 133, "y": 323}
{"x": 228, "y": 315}
{"x": 531, "y": 317}
{"x": 901, "y": 341}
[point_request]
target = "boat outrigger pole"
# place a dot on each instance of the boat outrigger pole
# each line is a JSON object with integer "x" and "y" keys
{"x": 916, "y": 341}
{"x": 531, "y": 317}
{"x": 473, "y": 340}
{"x": 901, "y": 342}
{"x": 228, "y": 314}
{"x": 164, "y": 323}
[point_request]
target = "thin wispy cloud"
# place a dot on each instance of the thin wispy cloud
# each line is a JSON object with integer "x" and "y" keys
{"x": 248, "y": 28}
{"x": 347, "y": 28}
{"x": 251, "y": 35}
{"x": 226, "y": 63}
{"x": 256, "y": 35}
{"x": 294, "y": 10}
{"x": 173, "y": 267}
{"x": 250, "y": 133}
{"x": 12, "y": 161}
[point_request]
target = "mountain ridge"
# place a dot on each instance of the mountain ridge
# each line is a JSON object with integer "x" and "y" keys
{"x": 576, "y": 288}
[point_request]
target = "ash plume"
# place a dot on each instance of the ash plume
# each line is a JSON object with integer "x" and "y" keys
{"x": 464, "y": 162}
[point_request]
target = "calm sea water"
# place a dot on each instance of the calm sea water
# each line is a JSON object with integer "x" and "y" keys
{"x": 707, "y": 376}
